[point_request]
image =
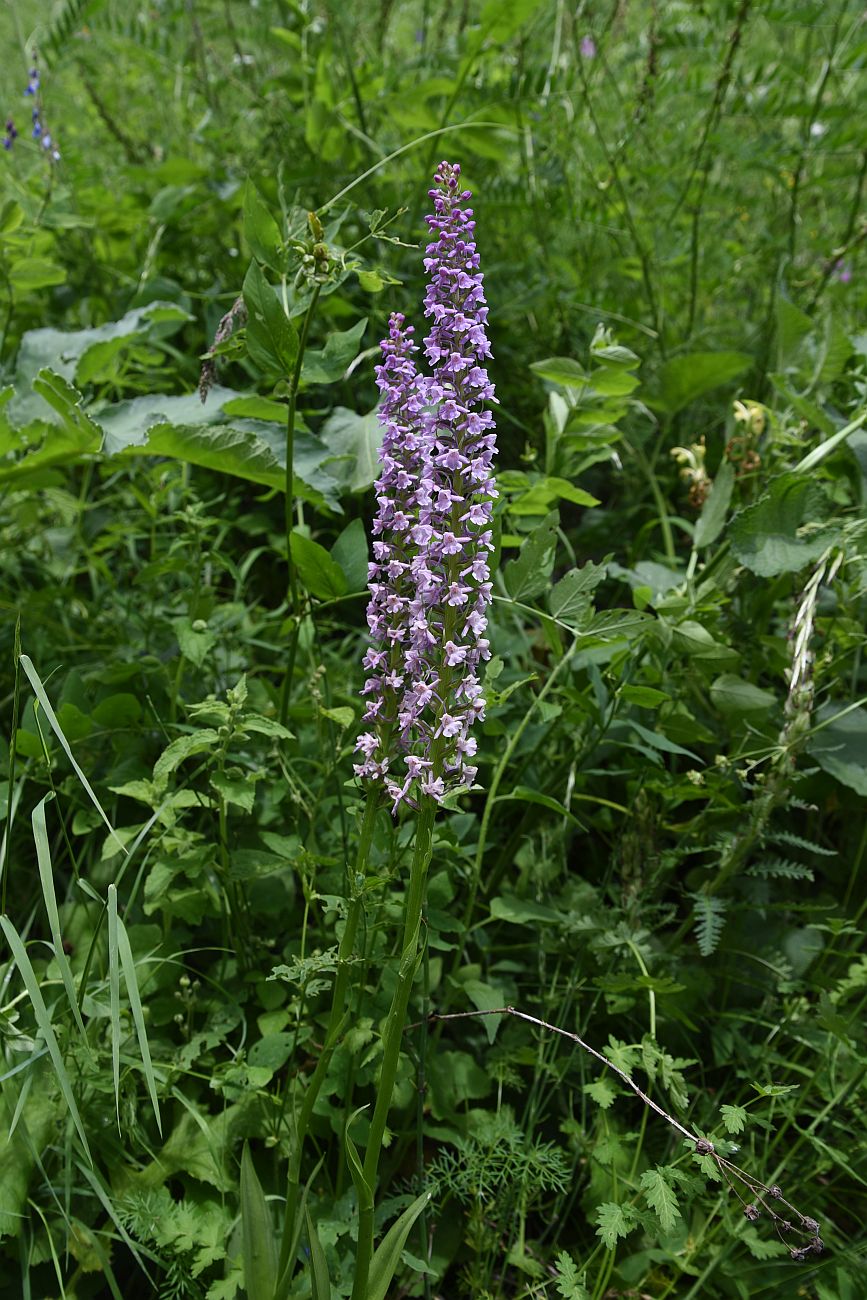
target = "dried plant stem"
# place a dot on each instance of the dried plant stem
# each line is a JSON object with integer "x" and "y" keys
{"x": 760, "y": 1194}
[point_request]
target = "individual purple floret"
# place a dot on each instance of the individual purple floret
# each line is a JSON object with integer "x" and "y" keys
{"x": 444, "y": 524}
{"x": 11, "y": 134}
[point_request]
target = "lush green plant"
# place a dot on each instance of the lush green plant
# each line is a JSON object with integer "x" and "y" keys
{"x": 661, "y": 864}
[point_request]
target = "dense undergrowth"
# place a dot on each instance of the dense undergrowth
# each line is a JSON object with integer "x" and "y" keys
{"x": 663, "y": 851}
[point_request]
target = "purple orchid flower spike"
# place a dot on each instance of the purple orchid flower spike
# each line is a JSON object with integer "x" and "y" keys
{"x": 430, "y": 581}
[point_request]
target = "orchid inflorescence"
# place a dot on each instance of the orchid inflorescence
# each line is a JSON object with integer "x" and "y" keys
{"x": 429, "y": 579}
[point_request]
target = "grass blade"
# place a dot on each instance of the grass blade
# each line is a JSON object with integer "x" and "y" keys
{"x": 43, "y": 1021}
{"x": 320, "y": 1282}
{"x": 39, "y": 691}
{"x": 46, "y": 880}
{"x": 132, "y": 989}
{"x": 257, "y": 1234}
{"x": 114, "y": 997}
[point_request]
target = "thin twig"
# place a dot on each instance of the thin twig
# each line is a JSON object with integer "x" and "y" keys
{"x": 759, "y": 1191}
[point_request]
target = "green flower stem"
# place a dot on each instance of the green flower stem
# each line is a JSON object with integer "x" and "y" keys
{"x": 336, "y": 1020}
{"x": 393, "y": 1035}
{"x": 289, "y": 506}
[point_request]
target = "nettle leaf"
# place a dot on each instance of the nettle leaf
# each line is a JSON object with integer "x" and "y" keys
{"x": 272, "y": 338}
{"x": 767, "y": 537}
{"x": 660, "y": 1197}
{"x": 528, "y": 575}
{"x": 613, "y": 1221}
{"x": 734, "y": 1118}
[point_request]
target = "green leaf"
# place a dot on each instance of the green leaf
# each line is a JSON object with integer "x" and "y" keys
{"x": 525, "y": 794}
{"x": 258, "y": 1243}
{"x": 195, "y": 643}
{"x": 320, "y": 574}
{"x": 39, "y": 691}
{"x": 569, "y": 1283}
{"x": 261, "y": 230}
{"x": 351, "y": 553}
{"x": 766, "y": 537}
{"x": 818, "y": 454}
{"x": 713, "y": 513}
{"x": 528, "y": 575}
{"x": 602, "y": 1091}
{"x": 131, "y": 980}
{"x": 569, "y": 599}
{"x": 329, "y": 365}
{"x": 32, "y": 273}
{"x": 839, "y": 745}
{"x": 43, "y": 1022}
{"x": 561, "y": 370}
{"x": 46, "y": 880}
{"x": 523, "y": 911}
{"x": 387, "y": 1254}
{"x": 611, "y": 1223}
{"x": 501, "y": 19}
{"x": 353, "y": 443}
{"x": 272, "y": 338}
{"x": 734, "y": 1118}
{"x": 203, "y": 741}
{"x": 660, "y": 1197}
{"x": 733, "y": 696}
{"x": 685, "y": 378}
{"x": 114, "y": 998}
{"x": 66, "y": 401}
{"x": 320, "y": 1282}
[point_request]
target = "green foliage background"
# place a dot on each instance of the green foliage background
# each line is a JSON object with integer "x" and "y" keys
{"x": 665, "y": 851}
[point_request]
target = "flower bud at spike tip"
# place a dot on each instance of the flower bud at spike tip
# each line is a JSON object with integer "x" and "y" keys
{"x": 429, "y": 580}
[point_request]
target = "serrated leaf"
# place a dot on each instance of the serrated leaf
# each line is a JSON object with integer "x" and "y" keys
{"x": 272, "y": 338}
{"x": 660, "y": 1197}
{"x": 528, "y": 575}
{"x": 766, "y": 537}
{"x": 685, "y": 378}
{"x": 602, "y": 1091}
{"x": 611, "y": 1223}
{"x": 734, "y": 1118}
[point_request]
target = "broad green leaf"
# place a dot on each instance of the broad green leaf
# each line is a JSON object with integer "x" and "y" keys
{"x": 660, "y": 1197}
{"x": 561, "y": 370}
{"x": 329, "y": 364}
{"x": 258, "y": 1242}
{"x": 203, "y": 741}
{"x": 766, "y": 537}
{"x": 611, "y": 1223}
{"x": 839, "y": 745}
{"x": 712, "y": 519}
{"x": 272, "y": 338}
{"x": 351, "y": 553}
{"x": 28, "y": 274}
{"x": 320, "y": 574}
{"x": 732, "y": 695}
{"x": 261, "y": 230}
{"x": 352, "y": 442}
{"x": 529, "y": 574}
{"x": 386, "y": 1257}
{"x": 485, "y": 997}
{"x": 685, "y": 378}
